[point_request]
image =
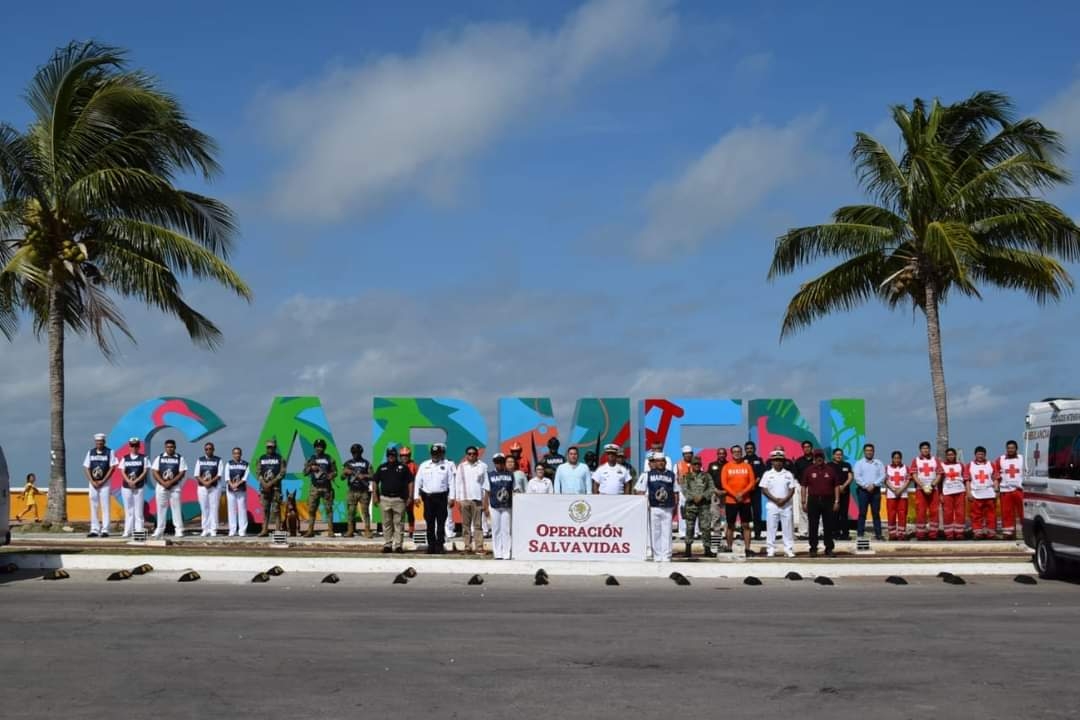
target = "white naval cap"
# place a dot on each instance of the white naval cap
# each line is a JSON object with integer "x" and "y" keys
{"x": 687, "y": 449}
{"x": 99, "y": 436}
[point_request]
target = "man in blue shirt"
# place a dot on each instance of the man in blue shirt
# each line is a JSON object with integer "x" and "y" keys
{"x": 869, "y": 478}
{"x": 573, "y": 477}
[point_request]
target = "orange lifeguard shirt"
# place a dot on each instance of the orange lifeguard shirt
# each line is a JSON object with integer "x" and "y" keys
{"x": 737, "y": 477}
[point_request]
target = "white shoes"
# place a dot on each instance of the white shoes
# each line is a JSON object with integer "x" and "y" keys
{"x": 770, "y": 553}
{"x": 789, "y": 553}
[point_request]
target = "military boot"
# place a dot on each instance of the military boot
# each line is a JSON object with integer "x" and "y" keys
{"x": 266, "y": 530}
{"x": 350, "y": 531}
{"x": 708, "y": 548}
{"x": 688, "y": 544}
{"x": 310, "y": 529}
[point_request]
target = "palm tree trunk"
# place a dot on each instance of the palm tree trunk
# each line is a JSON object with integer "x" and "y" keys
{"x": 56, "y": 510}
{"x": 937, "y": 370}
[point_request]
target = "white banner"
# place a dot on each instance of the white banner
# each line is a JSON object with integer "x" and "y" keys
{"x": 579, "y": 527}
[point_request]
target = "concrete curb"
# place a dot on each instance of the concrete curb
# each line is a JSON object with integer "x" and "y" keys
{"x": 392, "y": 565}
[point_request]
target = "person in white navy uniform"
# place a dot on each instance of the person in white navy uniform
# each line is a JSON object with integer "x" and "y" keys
{"x": 611, "y": 478}
{"x": 98, "y": 467}
{"x": 658, "y": 485}
{"x": 209, "y": 469}
{"x": 435, "y": 478}
{"x": 236, "y": 479}
{"x": 778, "y": 487}
{"x": 498, "y": 502}
{"x": 170, "y": 470}
{"x": 134, "y": 467}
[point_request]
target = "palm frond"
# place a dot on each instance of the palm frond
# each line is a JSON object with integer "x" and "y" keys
{"x": 800, "y": 246}
{"x": 1028, "y": 223}
{"x": 871, "y": 215}
{"x": 844, "y": 287}
{"x": 1039, "y": 277}
{"x": 171, "y": 250}
{"x": 878, "y": 173}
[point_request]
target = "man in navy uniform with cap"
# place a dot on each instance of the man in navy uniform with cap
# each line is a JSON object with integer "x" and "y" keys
{"x": 658, "y": 485}
{"x": 498, "y": 501}
{"x": 170, "y": 470}
{"x": 97, "y": 467}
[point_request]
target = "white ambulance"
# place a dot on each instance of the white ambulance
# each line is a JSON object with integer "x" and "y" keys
{"x": 1052, "y": 484}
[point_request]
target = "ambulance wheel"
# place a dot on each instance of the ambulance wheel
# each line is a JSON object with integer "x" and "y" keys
{"x": 1046, "y": 562}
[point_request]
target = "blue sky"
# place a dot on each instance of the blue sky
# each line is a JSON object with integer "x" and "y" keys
{"x": 484, "y": 199}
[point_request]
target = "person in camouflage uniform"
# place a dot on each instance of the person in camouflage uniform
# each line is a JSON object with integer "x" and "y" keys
{"x": 697, "y": 490}
{"x": 271, "y": 471}
{"x": 321, "y": 470}
{"x": 357, "y": 473}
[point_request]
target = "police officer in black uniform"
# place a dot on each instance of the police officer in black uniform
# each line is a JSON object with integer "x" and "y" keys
{"x": 271, "y": 471}
{"x": 392, "y": 489}
{"x": 756, "y": 506}
{"x": 357, "y": 474}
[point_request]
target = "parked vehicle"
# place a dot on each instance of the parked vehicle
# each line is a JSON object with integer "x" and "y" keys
{"x": 1052, "y": 484}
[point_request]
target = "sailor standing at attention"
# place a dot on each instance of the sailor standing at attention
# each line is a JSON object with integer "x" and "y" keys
{"x": 97, "y": 467}
{"x": 658, "y": 485}
{"x": 209, "y": 470}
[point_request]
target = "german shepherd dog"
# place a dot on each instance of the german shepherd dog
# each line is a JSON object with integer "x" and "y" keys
{"x": 292, "y": 515}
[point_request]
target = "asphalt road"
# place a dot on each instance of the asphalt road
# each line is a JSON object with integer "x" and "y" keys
{"x": 292, "y": 648}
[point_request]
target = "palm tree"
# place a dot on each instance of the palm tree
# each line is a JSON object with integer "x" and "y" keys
{"x": 961, "y": 208}
{"x": 89, "y": 212}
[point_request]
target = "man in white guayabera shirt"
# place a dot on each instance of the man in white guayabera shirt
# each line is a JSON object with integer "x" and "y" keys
{"x": 573, "y": 477}
{"x": 468, "y": 492}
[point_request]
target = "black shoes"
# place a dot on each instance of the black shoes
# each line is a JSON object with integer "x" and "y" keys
{"x": 386, "y": 549}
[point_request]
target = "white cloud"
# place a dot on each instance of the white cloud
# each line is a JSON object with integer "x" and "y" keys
{"x": 977, "y": 399}
{"x": 753, "y": 67}
{"x": 360, "y": 136}
{"x": 725, "y": 183}
{"x": 1062, "y": 114}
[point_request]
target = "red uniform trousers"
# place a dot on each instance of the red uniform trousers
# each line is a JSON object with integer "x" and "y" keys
{"x": 954, "y": 516}
{"x": 896, "y": 517}
{"x": 926, "y": 513}
{"x": 1012, "y": 510}
{"x": 983, "y": 518}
